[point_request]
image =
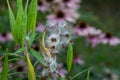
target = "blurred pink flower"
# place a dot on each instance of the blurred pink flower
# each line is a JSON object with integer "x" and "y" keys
{"x": 109, "y": 39}
{"x": 9, "y": 37}
{"x": 3, "y": 37}
{"x": 78, "y": 60}
{"x": 63, "y": 15}
{"x": 94, "y": 31}
{"x": 82, "y": 29}
{"x": 93, "y": 39}
{"x": 61, "y": 71}
{"x": 43, "y": 6}
{"x": 40, "y": 27}
{"x": 70, "y": 4}
{"x": 71, "y": 1}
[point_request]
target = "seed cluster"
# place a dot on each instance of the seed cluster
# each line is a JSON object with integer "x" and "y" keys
{"x": 57, "y": 37}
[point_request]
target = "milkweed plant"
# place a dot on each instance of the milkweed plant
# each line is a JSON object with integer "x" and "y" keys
{"x": 54, "y": 37}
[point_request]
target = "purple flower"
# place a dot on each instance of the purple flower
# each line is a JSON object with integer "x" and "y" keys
{"x": 93, "y": 39}
{"x": 70, "y": 4}
{"x": 40, "y": 28}
{"x": 82, "y": 29}
{"x": 43, "y": 6}
{"x": 61, "y": 71}
{"x": 78, "y": 60}
{"x": 3, "y": 38}
{"x": 109, "y": 39}
{"x": 9, "y": 37}
{"x": 63, "y": 15}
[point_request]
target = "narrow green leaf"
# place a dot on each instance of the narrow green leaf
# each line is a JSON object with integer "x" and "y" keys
{"x": 20, "y": 50}
{"x": 23, "y": 25}
{"x": 32, "y": 15}
{"x": 26, "y": 6}
{"x": 19, "y": 18}
{"x": 5, "y": 67}
{"x": 32, "y": 38}
{"x": 23, "y": 30}
{"x": 88, "y": 75}
{"x": 80, "y": 73}
{"x": 69, "y": 56}
{"x": 38, "y": 56}
{"x": 31, "y": 72}
{"x": 15, "y": 59}
{"x": 16, "y": 73}
{"x": 12, "y": 54}
{"x": 12, "y": 23}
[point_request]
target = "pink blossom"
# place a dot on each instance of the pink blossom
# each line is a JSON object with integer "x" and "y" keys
{"x": 61, "y": 71}
{"x": 109, "y": 39}
{"x": 40, "y": 28}
{"x": 93, "y": 39}
{"x": 9, "y": 37}
{"x": 94, "y": 31}
{"x": 82, "y": 29}
{"x": 63, "y": 15}
{"x": 43, "y": 6}
{"x": 3, "y": 37}
{"x": 70, "y": 4}
{"x": 78, "y": 60}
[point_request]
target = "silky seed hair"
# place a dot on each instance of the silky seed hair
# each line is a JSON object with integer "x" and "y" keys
{"x": 57, "y": 36}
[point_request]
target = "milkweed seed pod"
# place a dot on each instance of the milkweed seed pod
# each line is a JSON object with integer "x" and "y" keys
{"x": 51, "y": 42}
{"x": 57, "y": 37}
{"x": 64, "y": 34}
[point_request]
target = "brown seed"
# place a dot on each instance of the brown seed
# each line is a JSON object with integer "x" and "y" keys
{"x": 53, "y": 47}
{"x": 71, "y": 41}
{"x": 53, "y": 39}
{"x": 63, "y": 45}
{"x": 67, "y": 35}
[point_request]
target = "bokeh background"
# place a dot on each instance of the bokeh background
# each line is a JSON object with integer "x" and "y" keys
{"x": 101, "y": 14}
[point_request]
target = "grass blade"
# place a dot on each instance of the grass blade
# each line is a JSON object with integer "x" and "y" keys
{"x": 19, "y": 18}
{"x": 23, "y": 29}
{"x": 88, "y": 75}
{"x": 23, "y": 25}
{"x": 19, "y": 50}
{"x": 12, "y": 23}
{"x": 32, "y": 15}
{"x": 80, "y": 73}
{"x": 5, "y": 67}
{"x": 32, "y": 38}
{"x": 16, "y": 73}
{"x": 69, "y": 57}
{"x": 31, "y": 72}
{"x": 38, "y": 56}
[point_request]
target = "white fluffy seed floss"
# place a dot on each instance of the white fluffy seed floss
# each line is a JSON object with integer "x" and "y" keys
{"x": 57, "y": 36}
